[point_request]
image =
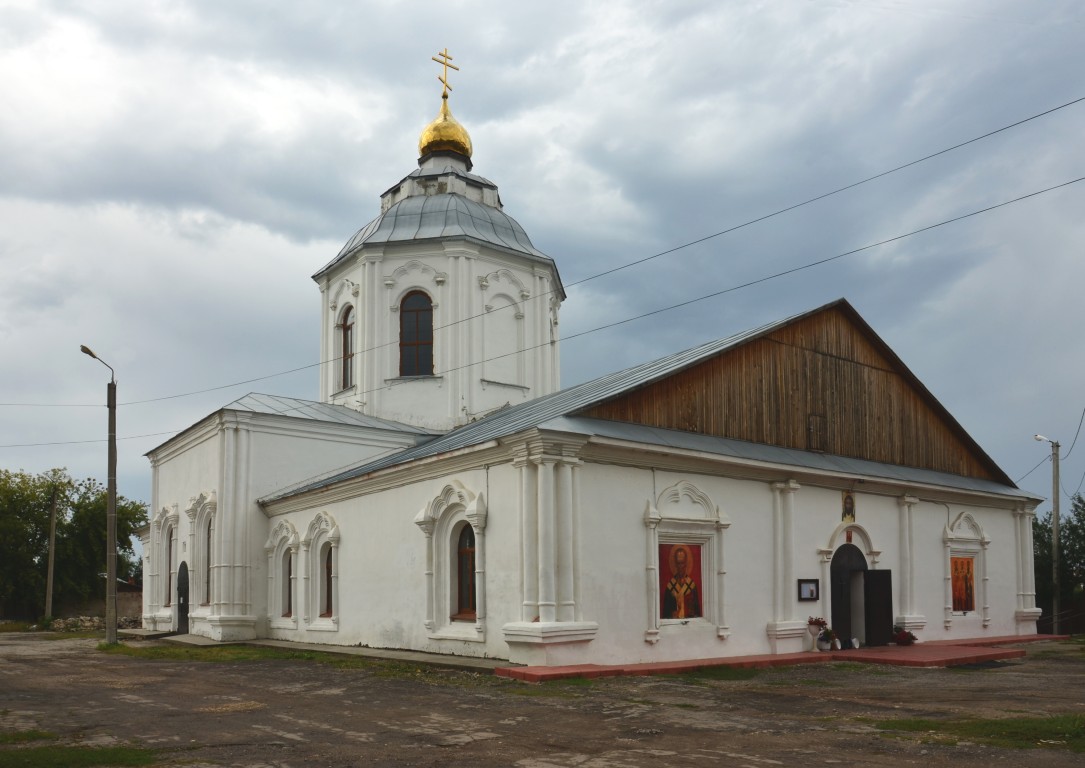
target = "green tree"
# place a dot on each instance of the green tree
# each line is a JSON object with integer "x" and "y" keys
{"x": 1071, "y": 564}
{"x": 25, "y": 502}
{"x": 81, "y": 555}
{"x": 24, "y": 541}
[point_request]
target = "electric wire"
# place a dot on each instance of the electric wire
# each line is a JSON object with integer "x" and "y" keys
{"x": 1018, "y": 481}
{"x": 1074, "y": 442}
{"x": 615, "y": 269}
{"x": 711, "y": 295}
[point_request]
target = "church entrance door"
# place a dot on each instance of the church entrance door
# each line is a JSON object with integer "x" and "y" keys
{"x": 846, "y": 592}
{"x": 182, "y": 599}
{"x": 862, "y": 600}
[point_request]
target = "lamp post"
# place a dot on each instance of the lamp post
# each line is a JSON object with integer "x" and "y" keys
{"x": 1054, "y": 531}
{"x": 111, "y": 505}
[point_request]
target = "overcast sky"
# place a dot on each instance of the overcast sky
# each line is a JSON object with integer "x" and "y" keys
{"x": 172, "y": 173}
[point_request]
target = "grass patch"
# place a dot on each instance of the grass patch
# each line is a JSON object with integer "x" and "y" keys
{"x": 568, "y": 688}
{"x": 77, "y": 757}
{"x": 21, "y": 737}
{"x": 725, "y": 673}
{"x": 229, "y": 653}
{"x": 15, "y": 626}
{"x": 1055, "y": 732}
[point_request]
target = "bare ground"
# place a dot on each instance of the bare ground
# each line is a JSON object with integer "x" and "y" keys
{"x": 302, "y": 713}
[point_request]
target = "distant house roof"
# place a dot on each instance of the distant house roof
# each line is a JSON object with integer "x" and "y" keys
{"x": 542, "y": 411}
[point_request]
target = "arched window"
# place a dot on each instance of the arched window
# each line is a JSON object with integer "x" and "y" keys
{"x": 326, "y": 603}
{"x": 207, "y": 565}
{"x": 465, "y": 575}
{"x": 416, "y": 335}
{"x": 288, "y": 583}
{"x": 346, "y": 348}
{"x": 169, "y": 566}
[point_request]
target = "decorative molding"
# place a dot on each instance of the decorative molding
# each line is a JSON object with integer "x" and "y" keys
{"x": 322, "y": 523}
{"x": 684, "y": 513}
{"x": 964, "y": 537}
{"x": 437, "y": 520}
{"x": 415, "y": 265}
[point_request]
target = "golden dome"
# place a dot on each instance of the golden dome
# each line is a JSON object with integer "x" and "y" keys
{"x": 444, "y": 133}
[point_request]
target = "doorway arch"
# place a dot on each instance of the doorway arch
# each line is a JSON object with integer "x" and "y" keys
{"x": 182, "y": 598}
{"x": 848, "y": 562}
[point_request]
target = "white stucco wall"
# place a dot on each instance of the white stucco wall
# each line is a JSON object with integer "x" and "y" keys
{"x": 383, "y": 560}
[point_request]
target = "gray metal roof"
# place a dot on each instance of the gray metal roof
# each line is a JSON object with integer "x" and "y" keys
{"x": 771, "y": 454}
{"x": 314, "y": 411}
{"x": 557, "y": 410}
{"x": 449, "y": 169}
{"x": 534, "y": 412}
{"x": 446, "y": 216}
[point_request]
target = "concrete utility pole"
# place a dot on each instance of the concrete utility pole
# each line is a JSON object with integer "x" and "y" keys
{"x": 1054, "y": 532}
{"x": 111, "y": 505}
{"x": 52, "y": 554}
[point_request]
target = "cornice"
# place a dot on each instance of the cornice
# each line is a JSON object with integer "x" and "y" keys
{"x": 623, "y": 453}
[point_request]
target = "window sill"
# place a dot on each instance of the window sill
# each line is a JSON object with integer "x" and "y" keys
{"x": 424, "y": 376}
{"x": 325, "y": 624}
{"x": 460, "y": 630}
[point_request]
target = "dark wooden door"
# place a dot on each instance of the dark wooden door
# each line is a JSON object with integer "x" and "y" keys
{"x": 182, "y": 599}
{"x": 878, "y": 606}
{"x": 847, "y": 560}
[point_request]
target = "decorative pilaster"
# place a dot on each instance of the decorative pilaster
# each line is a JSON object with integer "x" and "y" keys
{"x": 785, "y": 632}
{"x": 908, "y": 619}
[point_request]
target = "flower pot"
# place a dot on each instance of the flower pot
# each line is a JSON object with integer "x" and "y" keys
{"x": 824, "y": 645}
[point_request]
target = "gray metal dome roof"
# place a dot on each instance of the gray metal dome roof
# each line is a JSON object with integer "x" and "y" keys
{"x": 447, "y": 215}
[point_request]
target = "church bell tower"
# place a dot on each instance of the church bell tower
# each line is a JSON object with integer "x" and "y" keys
{"x": 440, "y": 310}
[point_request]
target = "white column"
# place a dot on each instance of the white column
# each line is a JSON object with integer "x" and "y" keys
{"x": 907, "y": 580}
{"x": 229, "y": 514}
{"x": 789, "y": 592}
{"x": 529, "y": 540}
{"x": 651, "y": 520}
{"x": 1030, "y": 572}
{"x": 564, "y": 514}
{"x": 777, "y": 552}
{"x": 547, "y": 546}
{"x": 480, "y": 577}
{"x": 303, "y": 594}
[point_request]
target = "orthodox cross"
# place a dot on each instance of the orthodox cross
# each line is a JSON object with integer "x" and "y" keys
{"x": 444, "y": 61}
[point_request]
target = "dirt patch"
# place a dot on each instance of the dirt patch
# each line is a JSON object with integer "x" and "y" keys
{"x": 293, "y": 713}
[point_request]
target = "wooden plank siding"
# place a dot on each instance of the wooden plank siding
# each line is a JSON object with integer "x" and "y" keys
{"x": 820, "y": 383}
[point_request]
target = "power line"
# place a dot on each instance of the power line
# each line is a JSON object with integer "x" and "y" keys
{"x": 1018, "y": 481}
{"x": 618, "y": 268}
{"x": 758, "y": 281}
{"x": 714, "y": 294}
{"x": 1079, "y": 423}
{"x": 828, "y": 194}
{"x": 84, "y": 442}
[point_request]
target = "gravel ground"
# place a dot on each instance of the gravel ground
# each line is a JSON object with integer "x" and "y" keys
{"x": 303, "y": 713}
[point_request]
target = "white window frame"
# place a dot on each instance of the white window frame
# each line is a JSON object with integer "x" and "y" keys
{"x": 283, "y": 540}
{"x": 684, "y": 514}
{"x": 440, "y": 521}
{"x": 965, "y": 538}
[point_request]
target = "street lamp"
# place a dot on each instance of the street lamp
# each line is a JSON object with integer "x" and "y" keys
{"x": 1054, "y": 531}
{"x": 111, "y": 505}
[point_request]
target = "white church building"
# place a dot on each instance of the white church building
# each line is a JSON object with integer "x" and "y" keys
{"x": 445, "y": 495}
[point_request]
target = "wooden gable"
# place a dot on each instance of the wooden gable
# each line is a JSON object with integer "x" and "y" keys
{"x": 823, "y": 382}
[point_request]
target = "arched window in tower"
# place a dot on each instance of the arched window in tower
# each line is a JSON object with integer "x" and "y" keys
{"x": 416, "y": 335}
{"x": 465, "y": 575}
{"x": 346, "y": 348}
{"x": 207, "y": 564}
